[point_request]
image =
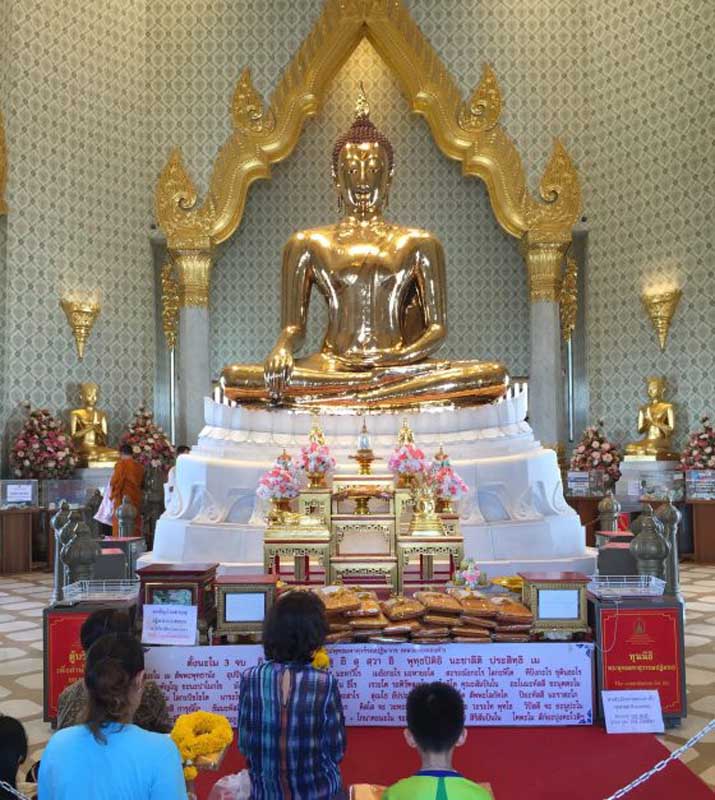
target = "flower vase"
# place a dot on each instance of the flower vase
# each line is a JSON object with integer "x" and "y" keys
{"x": 316, "y": 480}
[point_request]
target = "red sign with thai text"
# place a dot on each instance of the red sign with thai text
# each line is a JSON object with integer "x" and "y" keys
{"x": 64, "y": 656}
{"x": 641, "y": 648}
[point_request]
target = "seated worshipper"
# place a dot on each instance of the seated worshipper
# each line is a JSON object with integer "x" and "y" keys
{"x": 13, "y": 751}
{"x": 127, "y": 479}
{"x": 435, "y": 727}
{"x": 108, "y": 758}
{"x": 152, "y": 714}
{"x": 170, "y": 484}
{"x": 290, "y": 719}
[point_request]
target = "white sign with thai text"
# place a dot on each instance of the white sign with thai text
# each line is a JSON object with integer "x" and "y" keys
{"x": 632, "y": 711}
{"x": 502, "y": 684}
{"x": 169, "y": 624}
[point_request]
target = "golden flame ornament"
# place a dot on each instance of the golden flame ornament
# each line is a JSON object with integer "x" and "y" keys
{"x": 661, "y": 308}
{"x": 81, "y": 316}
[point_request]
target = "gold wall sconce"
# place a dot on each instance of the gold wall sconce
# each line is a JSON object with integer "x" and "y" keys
{"x": 661, "y": 306}
{"x": 81, "y": 316}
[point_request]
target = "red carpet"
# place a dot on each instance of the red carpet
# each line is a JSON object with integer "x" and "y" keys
{"x": 521, "y": 763}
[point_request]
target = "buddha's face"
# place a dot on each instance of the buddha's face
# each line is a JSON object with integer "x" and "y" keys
{"x": 363, "y": 178}
{"x": 89, "y": 394}
{"x": 655, "y": 389}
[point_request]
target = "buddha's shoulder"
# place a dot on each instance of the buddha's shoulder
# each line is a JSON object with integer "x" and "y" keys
{"x": 311, "y": 235}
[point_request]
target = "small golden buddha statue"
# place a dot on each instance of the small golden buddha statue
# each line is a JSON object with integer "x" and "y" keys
{"x": 656, "y": 420}
{"x": 88, "y": 429}
{"x": 385, "y": 289}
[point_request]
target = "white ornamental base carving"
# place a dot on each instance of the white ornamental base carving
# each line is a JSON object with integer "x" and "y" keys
{"x": 515, "y": 517}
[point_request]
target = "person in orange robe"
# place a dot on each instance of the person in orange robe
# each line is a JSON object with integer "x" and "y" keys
{"x": 127, "y": 479}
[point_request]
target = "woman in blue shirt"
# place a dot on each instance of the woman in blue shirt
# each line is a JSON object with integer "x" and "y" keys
{"x": 290, "y": 721}
{"x": 108, "y": 758}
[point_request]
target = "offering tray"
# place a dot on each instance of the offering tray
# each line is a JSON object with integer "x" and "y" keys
{"x": 608, "y": 586}
{"x": 362, "y": 494}
{"x": 101, "y": 590}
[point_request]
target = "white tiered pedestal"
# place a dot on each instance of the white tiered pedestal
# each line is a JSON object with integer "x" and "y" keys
{"x": 515, "y": 518}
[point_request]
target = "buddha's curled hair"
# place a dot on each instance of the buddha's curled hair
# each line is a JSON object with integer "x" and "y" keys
{"x": 363, "y": 130}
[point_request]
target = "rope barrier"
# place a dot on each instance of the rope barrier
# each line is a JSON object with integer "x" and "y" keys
{"x": 661, "y": 765}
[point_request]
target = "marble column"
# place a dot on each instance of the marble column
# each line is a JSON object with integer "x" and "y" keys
{"x": 544, "y": 262}
{"x": 193, "y": 372}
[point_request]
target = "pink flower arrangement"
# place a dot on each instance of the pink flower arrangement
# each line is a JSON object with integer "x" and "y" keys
{"x": 42, "y": 449}
{"x": 447, "y": 484}
{"x": 468, "y": 574}
{"x": 277, "y": 483}
{"x": 408, "y": 460}
{"x": 699, "y": 452}
{"x": 595, "y": 452}
{"x": 316, "y": 458}
{"x": 150, "y": 445}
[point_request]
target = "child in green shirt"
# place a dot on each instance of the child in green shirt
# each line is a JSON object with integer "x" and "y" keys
{"x": 435, "y": 727}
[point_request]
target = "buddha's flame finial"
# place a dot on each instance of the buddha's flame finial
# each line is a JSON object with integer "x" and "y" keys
{"x": 362, "y": 107}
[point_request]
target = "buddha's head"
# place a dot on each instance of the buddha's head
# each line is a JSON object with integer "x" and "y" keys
{"x": 90, "y": 393}
{"x": 656, "y": 388}
{"x": 363, "y": 163}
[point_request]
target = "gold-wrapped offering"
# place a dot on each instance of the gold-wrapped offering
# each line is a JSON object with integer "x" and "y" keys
{"x": 401, "y": 608}
{"x": 439, "y": 602}
{"x": 511, "y": 611}
{"x": 442, "y": 620}
{"x": 368, "y": 608}
{"x": 338, "y": 599}
{"x": 473, "y": 603}
{"x": 369, "y": 623}
{"x": 479, "y": 622}
{"x": 431, "y": 633}
{"x": 401, "y": 628}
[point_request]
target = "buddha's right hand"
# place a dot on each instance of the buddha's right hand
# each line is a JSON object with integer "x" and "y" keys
{"x": 277, "y": 371}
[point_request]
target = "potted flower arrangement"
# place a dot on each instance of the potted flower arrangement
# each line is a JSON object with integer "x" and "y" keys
{"x": 699, "y": 454}
{"x": 42, "y": 449}
{"x": 468, "y": 574}
{"x": 408, "y": 465}
{"x": 449, "y": 488}
{"x": 150, "y": 445}
{"x": 448, "y": 485}
{"x": 595, "y": 454}
{"x": 317, "y": 463}
{"x": 279, "y": 484}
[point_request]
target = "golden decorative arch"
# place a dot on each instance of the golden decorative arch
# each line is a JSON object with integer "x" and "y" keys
{"x": 467, "y": 131}
{"x": 3, "y": 168}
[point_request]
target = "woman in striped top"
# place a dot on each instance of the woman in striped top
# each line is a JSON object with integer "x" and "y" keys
{"x": 291, "y": 726}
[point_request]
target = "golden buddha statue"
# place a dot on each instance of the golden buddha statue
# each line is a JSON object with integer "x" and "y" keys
{"x": 385, "y": 289}
{"x": 88, "y": 429}
{"x": 656, "y": 420}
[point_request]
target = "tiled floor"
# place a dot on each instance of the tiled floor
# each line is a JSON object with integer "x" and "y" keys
{"x": 22, "y": 598}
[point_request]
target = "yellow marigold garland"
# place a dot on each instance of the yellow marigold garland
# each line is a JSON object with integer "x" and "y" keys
{"x": 321, "y": 659}
{"x": 200, "y": 734}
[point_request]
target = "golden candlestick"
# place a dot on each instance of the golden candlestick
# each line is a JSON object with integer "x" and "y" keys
{"x": 81, "y": 315}
{"x": 661, "y": 307}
